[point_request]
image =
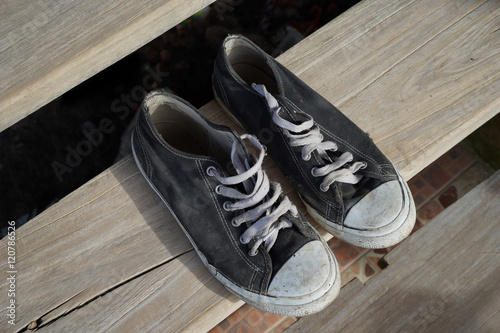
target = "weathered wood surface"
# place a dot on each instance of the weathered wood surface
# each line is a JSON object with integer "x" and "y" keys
{"x": 170, "y": 298}
{"x": 443, "y": 278}
{"x": 402, "y": 70}
{"x": 49, "y": 46}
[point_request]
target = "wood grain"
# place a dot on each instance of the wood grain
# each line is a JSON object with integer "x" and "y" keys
{"x": 443, "y": 278}
{"x": 419, "y": 79}
{"x": 380, "y": 62}
{"x": 49, "y": 46}
{"x": 98, "y": 237}
{"x": 151, "y": 303}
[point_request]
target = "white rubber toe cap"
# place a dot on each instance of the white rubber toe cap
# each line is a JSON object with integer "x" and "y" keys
{"x": 304, "y": 274}
{"x": 377, "y": 209}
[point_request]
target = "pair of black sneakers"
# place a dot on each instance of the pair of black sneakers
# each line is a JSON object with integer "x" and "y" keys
{"x": 250, "y": 236}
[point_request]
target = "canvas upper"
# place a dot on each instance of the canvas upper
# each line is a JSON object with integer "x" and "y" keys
{"x": 250, "y": 236}
{"x": 346, "y": 182}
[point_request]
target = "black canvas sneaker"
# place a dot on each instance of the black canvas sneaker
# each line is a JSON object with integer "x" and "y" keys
{"x": 249, "y": 235}
{"x": 346, "y": 183}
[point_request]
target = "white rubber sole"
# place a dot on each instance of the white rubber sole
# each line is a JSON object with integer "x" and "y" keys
{"x": 401, "y": 226}
{"x": 285, "y": 306}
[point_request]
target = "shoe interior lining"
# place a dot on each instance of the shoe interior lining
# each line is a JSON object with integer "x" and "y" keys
{"x": 250, "y": 65}
{"x": 183, "y": 129}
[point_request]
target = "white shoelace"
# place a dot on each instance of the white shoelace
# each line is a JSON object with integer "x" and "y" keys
{"x": 307, "y": 135}
{"x": 266, "y": 219}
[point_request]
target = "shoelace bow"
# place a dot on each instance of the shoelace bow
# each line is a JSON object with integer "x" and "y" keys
{"x": 307, "y": 135}
{"x": 259, "y": 194}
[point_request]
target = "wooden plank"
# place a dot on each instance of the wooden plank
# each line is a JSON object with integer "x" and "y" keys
{"x": 419, "y": 80}
{"x": 47, "y": 47}
{"x": 97, "y": 238}
{"x": 443, "y": 278}
{"x": 151, "y": 303}
{"x": 101, "y": 238}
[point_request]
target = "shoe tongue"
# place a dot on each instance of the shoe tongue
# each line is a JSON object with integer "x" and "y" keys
{"x": 240, "y": 162}
{"x": 272, "y": 103}
{"x": 247, "y": 161}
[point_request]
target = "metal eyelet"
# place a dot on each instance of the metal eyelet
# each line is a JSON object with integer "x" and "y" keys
{"x": 226, "y": 206}
{"x": 313, "y": 172}
{"x": 323, "y": 189}
{"x": 217, "y": 189}
{"x": 252, "y": 254}
{"x": 211, "y": 171}
{"x": 241, "y": 240}
{"x": 364, "y": 165}
{"x": 234, "y": 224}
{"x": 306, "y": 158}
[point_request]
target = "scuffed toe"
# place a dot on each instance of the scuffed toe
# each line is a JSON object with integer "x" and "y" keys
{"x": 304, "y": 274}
{"x": 377, "y": 209}
{"x": 383, "y": 218}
